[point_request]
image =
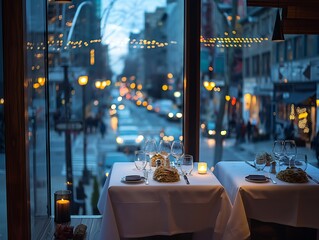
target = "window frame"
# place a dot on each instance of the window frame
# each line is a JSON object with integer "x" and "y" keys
{"x": 18, "y": 186}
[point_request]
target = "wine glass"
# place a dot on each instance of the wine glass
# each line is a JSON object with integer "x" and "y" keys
{"x": 301, "y": 161}
{"x": 290, "y": 152}
{"x": 140, "y": 160}
{"x": 187, "y": 164}
{"x": 150, "y": 149}
{"x": 177, "y": 151}
{"x": 260, "y": 161}
{"x": 278, "y": 151}
{"x": 164, "y": 148}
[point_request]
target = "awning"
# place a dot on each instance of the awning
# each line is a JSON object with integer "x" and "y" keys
{"x": 297, "y": 97}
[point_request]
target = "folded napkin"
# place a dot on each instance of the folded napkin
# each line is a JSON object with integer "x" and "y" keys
{"x": 256, "y": 177}
{"x": 133, "y": 178}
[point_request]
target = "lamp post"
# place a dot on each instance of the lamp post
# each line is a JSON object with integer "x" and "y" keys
{"x": 83, "y": 80}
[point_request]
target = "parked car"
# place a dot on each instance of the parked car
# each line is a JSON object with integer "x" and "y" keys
{"x": 128, "y": 139}
{"x": 174, "y": 115}
{"x": 171, "y": 134}
{"x": 163, "y": 107}
{"x": 209, "y": 130}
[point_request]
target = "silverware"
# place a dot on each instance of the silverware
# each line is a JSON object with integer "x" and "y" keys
{"x": 272, "y": 180}
{"x": 250, "y": 164}
{"x": 186, "y": 179}
{"x": 146, "y": 177}
{"x": 315, "y": 180}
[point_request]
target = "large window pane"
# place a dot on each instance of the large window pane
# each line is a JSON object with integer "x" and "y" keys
{"x": 3, "y": 199}
{"x": 266, "y": 84}
{"x": 131, "y": 54}
{"x": 37, "y": 127}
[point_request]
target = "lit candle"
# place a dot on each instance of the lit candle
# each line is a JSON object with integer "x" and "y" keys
{"x": 202, "y": 167}
{"x": 62, "y": 211}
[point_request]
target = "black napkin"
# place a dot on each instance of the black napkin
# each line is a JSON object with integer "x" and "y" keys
{"x": 256, "y": 177}
{"x": 133, "y": 178}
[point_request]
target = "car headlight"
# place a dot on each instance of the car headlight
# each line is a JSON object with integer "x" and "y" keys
{"x": 119, "y": 140}
{"x": 211, "y": 132}
{"x": 170, "y": 115}
{"x": 179, "y": 115}
{"x": 139, "y": 139}
{"x": 223, "y": 133}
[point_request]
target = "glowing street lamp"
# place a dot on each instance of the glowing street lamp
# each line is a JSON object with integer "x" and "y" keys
{"x": 83, "y": 80}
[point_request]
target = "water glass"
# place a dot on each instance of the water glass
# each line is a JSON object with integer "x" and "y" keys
{"x": 260, "y": 161}
{"x": 140, "y": 160}
{"x": 177, "y": 151}
{"x": 164, "y": 148}
{"x": 187, "y": 164}
{"x": 290, "y": 151}
{"x": 301, "y": 161}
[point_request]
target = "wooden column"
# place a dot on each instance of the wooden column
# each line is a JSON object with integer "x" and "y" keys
{"x": 192, "y": 77}
{"x": 17, "y": 172}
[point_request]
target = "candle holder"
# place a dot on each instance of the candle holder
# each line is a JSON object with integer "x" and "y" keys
{"x": 202, "y": 168}
{"x": 62, "y": 206}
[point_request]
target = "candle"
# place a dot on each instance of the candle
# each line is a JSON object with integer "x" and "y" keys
{"x": 62, "y": 211}
{"x": 202, "y": 167}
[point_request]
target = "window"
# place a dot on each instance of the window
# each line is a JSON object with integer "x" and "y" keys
{"x": 132, "y": 55}
{"x": 36, "y": 75}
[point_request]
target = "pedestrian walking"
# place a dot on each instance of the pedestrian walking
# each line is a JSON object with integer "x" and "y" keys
{"x": 80, "y": 198}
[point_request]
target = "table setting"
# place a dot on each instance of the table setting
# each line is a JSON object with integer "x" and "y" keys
{"x": 280, "y": 188}
{"x": 149, "y": 197}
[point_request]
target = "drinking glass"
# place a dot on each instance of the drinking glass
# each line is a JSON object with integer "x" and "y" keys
{"x": 301, "y": 161}
{"x": 290, "y": 152}
{"x": 150, "y": 149}
{"x": 187, "y": 164}
{"x": 177, "y": 151}
{"x": 278, "y": 151}
{"x": 140, "y": 160}
{"x": 164, "y": 148}
{"x": 260, "y": 161}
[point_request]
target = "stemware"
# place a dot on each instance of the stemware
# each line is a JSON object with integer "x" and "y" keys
{"x": 140, "y": 160}
{"x": 290, "y": 150}
{"x": 260, "y": 161}
{"x": 164, "y": 148}
{"x": 177, "y": 151}
{"x": 278, "y": 151}
{"x": 187, "y": 164}
{"x": 150, "y": 149}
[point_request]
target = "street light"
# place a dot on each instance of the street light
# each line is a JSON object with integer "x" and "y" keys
{"x": 83, "y": 80}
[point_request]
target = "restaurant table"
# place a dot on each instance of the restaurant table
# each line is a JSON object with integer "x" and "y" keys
{"x": 138, "y": 210}
{"x": 292, "y": 204}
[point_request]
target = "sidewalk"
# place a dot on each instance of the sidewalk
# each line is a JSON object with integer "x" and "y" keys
{"x": 253, "y": 147}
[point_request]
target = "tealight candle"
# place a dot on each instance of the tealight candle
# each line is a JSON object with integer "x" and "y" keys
{"x": 62, "y": 206}
{"x": 202, "y": 167}
{"x": 62, "y": 211}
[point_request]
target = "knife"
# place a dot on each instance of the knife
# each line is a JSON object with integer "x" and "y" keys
{"x": 315, "y": 180}
{"x": 250, "y": 164}
{"x": 186, "y": 179}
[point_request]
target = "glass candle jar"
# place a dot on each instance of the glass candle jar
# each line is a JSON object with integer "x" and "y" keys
{"x": 62, "y": 206}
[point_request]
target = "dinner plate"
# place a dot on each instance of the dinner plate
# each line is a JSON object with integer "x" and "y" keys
{"x": 257, "y": 178}
{"x": 132, "y": 179}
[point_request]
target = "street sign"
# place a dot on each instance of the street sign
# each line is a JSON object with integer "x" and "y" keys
{"x": 71, "y": 125}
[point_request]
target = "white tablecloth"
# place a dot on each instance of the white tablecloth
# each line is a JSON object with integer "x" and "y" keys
{"x": 284, "y": 203}
{"x": 137, "y": 210}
